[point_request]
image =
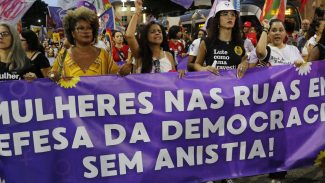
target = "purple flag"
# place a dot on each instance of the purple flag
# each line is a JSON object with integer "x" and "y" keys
{"x": 160, "y": 128}
{"x": 185, "y": 3}
{"x": 57, "y": 14}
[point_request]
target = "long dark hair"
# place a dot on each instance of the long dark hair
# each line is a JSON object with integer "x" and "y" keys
{"x": 32, "y": 40}
{"x": 312, "y": 29}
{"x": 215, "y": 30}
{"x": 173, "y": 30}
{"x": 144, "y": 45}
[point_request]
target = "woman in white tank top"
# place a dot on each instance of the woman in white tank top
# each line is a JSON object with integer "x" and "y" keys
{"x": 150, "y": 52}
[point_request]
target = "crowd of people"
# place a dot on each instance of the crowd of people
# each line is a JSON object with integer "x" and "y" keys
{"x": 225, "y": 44}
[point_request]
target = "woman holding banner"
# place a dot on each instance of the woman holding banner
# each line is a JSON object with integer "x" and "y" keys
{"x": 82, "y": 58}
{"x": 223, "y": 49}
{"x": 151, "y": 51}
{"x": 14, "y": 65}
{"x": 276, "y": 53}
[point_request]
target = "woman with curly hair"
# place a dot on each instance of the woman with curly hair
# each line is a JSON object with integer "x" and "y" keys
{"x": 151, "y": 51}
{"x": 82, "y": 58}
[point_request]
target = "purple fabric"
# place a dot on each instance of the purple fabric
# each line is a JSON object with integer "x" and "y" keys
{"x": 57, "y": 14}
{"x": 182, "y": 62}
{"x": 64, "y": 158}
{"x": 185, "y": 3}
{"x": 120, "y": 63}
{"x": 87, "y": 5}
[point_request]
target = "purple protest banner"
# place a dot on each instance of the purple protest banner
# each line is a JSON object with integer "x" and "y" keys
{"x": 159, "y": 128}
{"x": 185, "y": 3}
{"x": 182, "y": 62}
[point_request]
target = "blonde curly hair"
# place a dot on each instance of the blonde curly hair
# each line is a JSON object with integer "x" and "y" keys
{"x": 74, "y": 16}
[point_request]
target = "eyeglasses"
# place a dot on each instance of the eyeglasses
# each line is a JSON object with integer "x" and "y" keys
{"x": 156, "y": 64}
{"x": 5, "y": 34}
{"x": 84, "y": 29}
{"x": 226, "y": 13}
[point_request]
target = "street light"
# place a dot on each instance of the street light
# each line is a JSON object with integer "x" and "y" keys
{"x": 39, "y": 20}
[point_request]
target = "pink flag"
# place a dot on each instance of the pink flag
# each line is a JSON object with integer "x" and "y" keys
{"x": 11, "y": 11}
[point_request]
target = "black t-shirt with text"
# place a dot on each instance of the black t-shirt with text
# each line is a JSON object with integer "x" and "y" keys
{"x": 6, "y": 74}
{"x": 40, "y": 62}
{"x": 223, "y": 55}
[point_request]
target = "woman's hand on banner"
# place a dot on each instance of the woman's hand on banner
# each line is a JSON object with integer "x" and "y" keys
{"x": 54, "y": 76}
{"x": 241, "y": 70}
{"x": 126, "y": 69}
{"x": 30, "y": 76}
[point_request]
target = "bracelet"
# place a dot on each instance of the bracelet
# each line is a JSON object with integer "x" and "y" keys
{"x": 266, "y": 30}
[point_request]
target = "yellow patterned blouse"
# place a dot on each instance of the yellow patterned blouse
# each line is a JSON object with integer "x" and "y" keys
{"x": 103, "y": 65}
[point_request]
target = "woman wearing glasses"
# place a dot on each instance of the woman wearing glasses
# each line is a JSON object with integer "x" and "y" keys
{"x": 223, "y": 49}
{"x": 82, "y": 58}
{"x": 14, "y": 64}
{"x": 35, "y": 53}
{"x": 151, "y": 52}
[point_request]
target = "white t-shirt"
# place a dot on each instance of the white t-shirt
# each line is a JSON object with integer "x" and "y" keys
{"x": 194, "y": 48}
{"x": 252, "y": 57}
{"x": 311, "y": 41}
{"x": 286, "y": 55}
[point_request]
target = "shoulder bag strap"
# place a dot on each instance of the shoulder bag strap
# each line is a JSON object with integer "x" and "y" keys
{"x": 62, "y": 62}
